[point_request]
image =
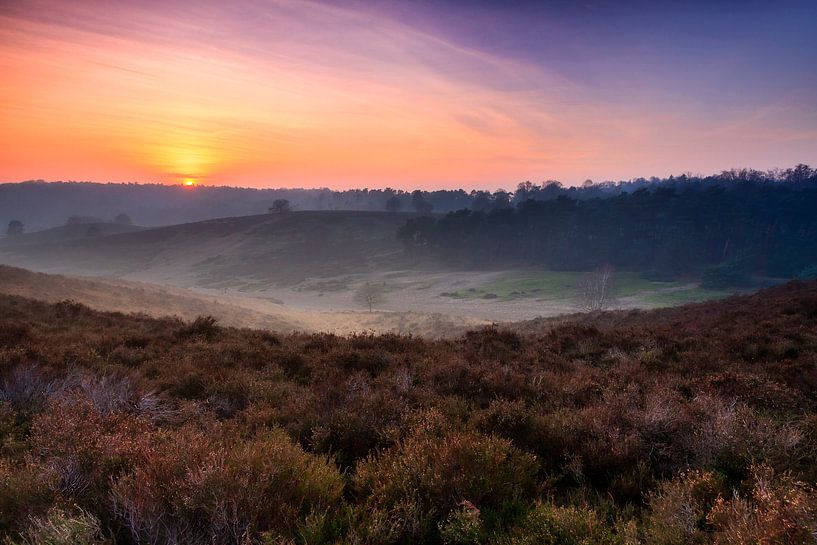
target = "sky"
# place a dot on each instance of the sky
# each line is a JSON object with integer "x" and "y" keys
{"x": 405, "y": 94}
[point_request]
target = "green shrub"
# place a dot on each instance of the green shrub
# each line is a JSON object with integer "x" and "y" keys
{"x": 463, "y": 526}
{"x": 421, "y": 480}
{"x": 24, "y": 492}
{"x": 548, "y": 524}
{"x": 64, "y": 528}
{"x": 679, "y": 508}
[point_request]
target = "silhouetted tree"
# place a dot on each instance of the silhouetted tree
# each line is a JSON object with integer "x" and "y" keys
{"x": 420, "y": 204}
{"x": 481, "y": 201}
{"x": 370, "y": 295}
{"x": 280, "y": 206}
{"x": 394, "y": 204}
{"x": 501, "y": 199}
{"x": 123, "y": 219}
{"x": 15, "y": 228}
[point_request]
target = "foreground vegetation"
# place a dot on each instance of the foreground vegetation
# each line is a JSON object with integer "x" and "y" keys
{"x": 689, "y": 425}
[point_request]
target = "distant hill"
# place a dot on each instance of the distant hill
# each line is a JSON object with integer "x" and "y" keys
{"x": 64, "y": 233}
{"x": 40, "y": 205}
{"x": 268, "y": 248}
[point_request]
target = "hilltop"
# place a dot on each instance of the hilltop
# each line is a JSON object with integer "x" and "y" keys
{"x": 264, "y": 249}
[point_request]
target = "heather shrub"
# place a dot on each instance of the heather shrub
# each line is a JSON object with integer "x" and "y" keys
{"x": 778, "y": 510}
{"x": 85, "y": 450}
{"x": 12, "y": 334}
{"x": 24, "y": 492}
{"x": 203, "y": 327}
{"x": 195, "y": 489}
{"x": 60, "y": 527}
{"x": 678, "y": 509}
{"x": 360, "y": 423}
{"x": 492, "y": 343}
{"x": 70, "y": 309}
{"x": 548, "y": 524}
{"x": 421, "y": 480}
{"x": 26, "y": 388}
{"x": 687, "y": 425}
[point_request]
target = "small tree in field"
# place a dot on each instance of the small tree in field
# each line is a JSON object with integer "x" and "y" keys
{"x": 15, "y": 228}
{"x": 123, "y": 219}
{"x": 280, "y": 206}
{"x": 598, "y": 289}
{"x": 370, "y": 295}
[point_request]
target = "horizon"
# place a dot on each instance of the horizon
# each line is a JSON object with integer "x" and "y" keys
{"x": 509, "y": 188}
{"x": 408, "y": 95}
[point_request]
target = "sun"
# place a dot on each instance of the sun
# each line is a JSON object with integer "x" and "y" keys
{"x": 189, "y": 182}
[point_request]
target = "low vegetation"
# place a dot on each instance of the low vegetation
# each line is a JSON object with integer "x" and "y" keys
{"x": 689, "y": 425}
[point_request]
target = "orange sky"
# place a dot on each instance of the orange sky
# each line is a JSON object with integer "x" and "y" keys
{"x": 305, "y": 94}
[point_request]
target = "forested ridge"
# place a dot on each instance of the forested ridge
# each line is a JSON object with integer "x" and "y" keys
{"x": 39, "y": 205}
{"x": 740, "y": 227}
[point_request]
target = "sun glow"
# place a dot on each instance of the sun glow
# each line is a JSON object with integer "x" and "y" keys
{"x": 189, "y": 182}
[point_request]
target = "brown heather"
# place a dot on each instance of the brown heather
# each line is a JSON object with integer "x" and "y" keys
{"x": 689, "y": 425}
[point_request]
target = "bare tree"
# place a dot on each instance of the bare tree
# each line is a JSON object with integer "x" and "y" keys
{"x": 280, "y": 206}
{"x": 370, "y": 295}
{"x": 598, "y": 289}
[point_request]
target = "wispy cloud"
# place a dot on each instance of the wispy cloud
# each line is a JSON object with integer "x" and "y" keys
{"x": 304, "y": 93}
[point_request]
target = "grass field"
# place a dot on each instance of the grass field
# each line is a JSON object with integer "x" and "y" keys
{"x": 684, "y": 296}
{"x": 554, "y": 286}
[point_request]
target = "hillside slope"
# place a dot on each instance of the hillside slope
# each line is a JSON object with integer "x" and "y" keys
{"x": 693, "y": 425}
{"x": 117, "y": 295}
{"x": 66, "y": 233}
{"x": 122, "y": 296}
{"x": 271, "y": 248}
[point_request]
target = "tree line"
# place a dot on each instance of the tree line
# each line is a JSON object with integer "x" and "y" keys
{"x": 41, "y": 205}
{"x": 727, "y": 229}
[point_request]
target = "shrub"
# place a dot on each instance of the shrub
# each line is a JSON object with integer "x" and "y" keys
{"x": 196, "y": 488}
{"x": 678, "y": 510}
{"x": 65, "y": 528}
{"x": 548, "y": 524}
{"x": 85, "y": 450}
{"x": 203, "y": 327}
{"x": 463, "y": 526}
{"x": 24, "y": 492}
{"x": 779, "y": 510}
{"x": 421, "y": 480}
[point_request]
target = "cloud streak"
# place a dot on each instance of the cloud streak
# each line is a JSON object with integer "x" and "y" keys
{"x": 303, "y": 93}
